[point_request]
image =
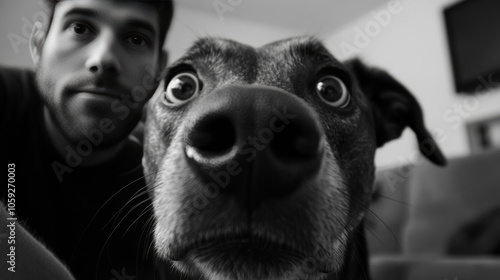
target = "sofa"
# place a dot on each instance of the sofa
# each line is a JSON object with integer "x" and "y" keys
{"x": 423, "y": 221}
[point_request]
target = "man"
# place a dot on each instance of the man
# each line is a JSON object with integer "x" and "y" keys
{"x": 79, "y": 186}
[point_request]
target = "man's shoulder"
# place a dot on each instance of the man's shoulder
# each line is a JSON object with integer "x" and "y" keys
{"x": 18, "y": 91}
{"x": 17, "y": 84}
{"x": 10, "y": 74}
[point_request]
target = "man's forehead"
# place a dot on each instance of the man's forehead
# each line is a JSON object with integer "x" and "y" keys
{"x": 133, "y": 12}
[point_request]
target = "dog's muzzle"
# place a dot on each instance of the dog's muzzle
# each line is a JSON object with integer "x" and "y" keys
{"x": 268, "y": 140}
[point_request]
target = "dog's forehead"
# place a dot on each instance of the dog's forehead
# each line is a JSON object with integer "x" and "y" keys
{"x": 287, "y": 62}
{"x": 221, "y": 59}
{"x": 298, "y": 50}
{"x": 279, "y": 63}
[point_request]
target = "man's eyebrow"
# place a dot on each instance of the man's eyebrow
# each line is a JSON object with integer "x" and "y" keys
{"x": 128, "y": 22}
{"x": 81, "y": 12}
{"x": 140, "y": 24}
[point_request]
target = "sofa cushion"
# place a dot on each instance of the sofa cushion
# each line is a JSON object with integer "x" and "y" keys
{"x": 445, "y": 199}
{"x": 397, "y": 267}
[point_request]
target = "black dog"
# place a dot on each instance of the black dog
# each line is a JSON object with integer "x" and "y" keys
{"x": 261, "y": 161}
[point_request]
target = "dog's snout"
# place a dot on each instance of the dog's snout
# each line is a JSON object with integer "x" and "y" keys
{"x": 255, "y": 142}
{"x": 213, "y": 136}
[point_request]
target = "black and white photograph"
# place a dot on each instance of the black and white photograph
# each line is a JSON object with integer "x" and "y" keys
{"x": 250, "y": 140}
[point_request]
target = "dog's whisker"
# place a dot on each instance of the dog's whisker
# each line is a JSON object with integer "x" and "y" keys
{"x": 131, "y": 198}
{"x": 393, "y": 235}
{"x": 137, "y": 218}
{"x": 141, "y": 191}
{"x": 358, "y": 256}
{"x": 121, "y": 190}
{"x": 137, "y": 204}
{"x": 146, "y": 200}
{"x": 147, "y": 229}
{"x": 261, "y": 106}
{"x": 151, "y": 245}
{"x": 396, "y": 200}
{"x": 113, "y": 232}
{"x": 146, "y": 243}
{"x": 386, "y": 197}
{"x": 100, "y": 209}
{"x": 366, "y": 208}
{"x": 146, "y": 211}
{"x": 370, "y": 231}
{"x": 148, "y": 208}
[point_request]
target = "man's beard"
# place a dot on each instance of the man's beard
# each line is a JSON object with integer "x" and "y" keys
{"x": 70, "y": 122}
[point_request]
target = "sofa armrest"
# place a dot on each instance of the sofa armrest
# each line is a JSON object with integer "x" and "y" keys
{"x": 421, "y": 267}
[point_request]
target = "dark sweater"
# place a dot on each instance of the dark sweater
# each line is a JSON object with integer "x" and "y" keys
{"x": 97, "y": 220}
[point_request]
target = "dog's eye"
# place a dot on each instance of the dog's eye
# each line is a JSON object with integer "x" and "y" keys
{"x": 182, "y": 88}
{"x": 333, "y": 91}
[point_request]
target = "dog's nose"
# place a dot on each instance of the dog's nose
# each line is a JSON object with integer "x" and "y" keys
{"x": 255, "y": 142}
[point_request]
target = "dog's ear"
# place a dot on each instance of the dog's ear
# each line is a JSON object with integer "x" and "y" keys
{"x": 394, "y": 108}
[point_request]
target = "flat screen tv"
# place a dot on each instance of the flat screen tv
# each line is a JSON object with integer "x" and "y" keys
{"x": 473, "y": 28}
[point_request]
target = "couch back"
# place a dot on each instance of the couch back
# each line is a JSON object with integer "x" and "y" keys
{"x": 424, "y": 205}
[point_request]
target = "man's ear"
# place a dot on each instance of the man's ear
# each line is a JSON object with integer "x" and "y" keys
{"x": 394, "y": 109}
{"x": 36, "y": 42}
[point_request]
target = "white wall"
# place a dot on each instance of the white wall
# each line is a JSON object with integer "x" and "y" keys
{"x": 16, "y": 22}
{"x": 190, "y": 24}
{"x": 17, "y": 17}
{"x": 414, "y": 48}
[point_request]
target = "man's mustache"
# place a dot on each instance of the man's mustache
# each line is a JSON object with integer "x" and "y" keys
{"x": 89, "y": 82}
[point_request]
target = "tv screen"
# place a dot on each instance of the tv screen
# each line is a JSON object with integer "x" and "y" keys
{"x": 473, "y": 29}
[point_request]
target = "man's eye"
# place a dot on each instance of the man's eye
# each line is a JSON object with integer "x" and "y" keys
{"x": 80, "y": 29}
{"x": 136, "y": 40}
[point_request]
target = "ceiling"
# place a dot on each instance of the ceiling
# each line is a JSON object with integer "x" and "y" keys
{"x": 300, "y": 15}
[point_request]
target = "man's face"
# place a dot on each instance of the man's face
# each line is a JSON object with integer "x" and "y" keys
{"x": 97, "y": 67}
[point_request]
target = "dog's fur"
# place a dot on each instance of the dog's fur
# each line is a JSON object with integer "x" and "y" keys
{"x": 293, "y": 209}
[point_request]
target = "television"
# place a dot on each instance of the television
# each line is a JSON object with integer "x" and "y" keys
{"x": 473, "y": 29}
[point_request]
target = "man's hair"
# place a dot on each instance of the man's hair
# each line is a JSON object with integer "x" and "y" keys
{"x": 165, "y": 9}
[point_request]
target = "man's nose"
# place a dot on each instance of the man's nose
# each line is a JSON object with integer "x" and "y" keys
{"x": 102, "y": 59}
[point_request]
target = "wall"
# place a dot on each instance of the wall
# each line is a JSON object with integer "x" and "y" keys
{"x": 412, "y": 45}
{"x": 190, "y": 24}
{"x": 17, "y": 17}
{"x": 16, "y": 22}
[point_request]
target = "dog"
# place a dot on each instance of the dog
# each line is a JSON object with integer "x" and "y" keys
{"x": 260, "y": 161}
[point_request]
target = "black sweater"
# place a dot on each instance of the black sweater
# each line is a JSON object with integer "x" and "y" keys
{"x": 97, "y": 220}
